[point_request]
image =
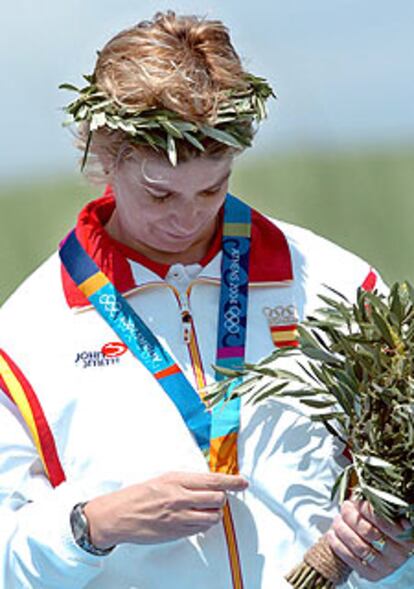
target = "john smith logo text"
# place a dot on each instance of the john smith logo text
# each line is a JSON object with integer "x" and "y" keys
{"x": 108, "y": 355}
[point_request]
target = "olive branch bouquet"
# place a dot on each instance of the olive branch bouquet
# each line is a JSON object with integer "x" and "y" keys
{"x": 355, "y": 368}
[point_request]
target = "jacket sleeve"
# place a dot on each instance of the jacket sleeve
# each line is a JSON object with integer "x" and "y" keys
{"x": 37, "y": 550}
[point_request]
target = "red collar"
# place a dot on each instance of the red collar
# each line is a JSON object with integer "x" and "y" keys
{"x": 270, "y": 256}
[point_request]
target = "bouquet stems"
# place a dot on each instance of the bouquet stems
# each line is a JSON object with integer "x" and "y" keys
{"x": 320, "y": 569}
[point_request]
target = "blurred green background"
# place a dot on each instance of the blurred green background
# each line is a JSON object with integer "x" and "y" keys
{"x": 361, "y": 200}
{"x": 336, "y": 154}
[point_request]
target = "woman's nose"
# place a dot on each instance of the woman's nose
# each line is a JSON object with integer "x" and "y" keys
{"x": 185, "y": 214}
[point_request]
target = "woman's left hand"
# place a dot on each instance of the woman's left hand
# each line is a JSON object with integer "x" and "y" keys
{"x": 367, "y": 543}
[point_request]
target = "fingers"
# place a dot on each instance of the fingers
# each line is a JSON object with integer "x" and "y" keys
{"x": 347, "y": 556}
{"x": 209, "y": 499}
{"x": 361, "y": 517}
{"x": 206, "y": 518}
{"x": 365, "y": 528}
{"x": 361, "y": 546}
{"x": 366, "y": 542}
{"x": 396, "y": 531}
{"x": 214, "y": 482}
{"x": 170, "y": 506}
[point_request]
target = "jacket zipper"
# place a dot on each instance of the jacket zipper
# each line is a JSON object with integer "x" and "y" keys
{"x": 190, "y": 339}
{"x": 186, "y": 318}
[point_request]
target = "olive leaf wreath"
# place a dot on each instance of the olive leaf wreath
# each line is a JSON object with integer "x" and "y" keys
{"x": 162, "y": 129}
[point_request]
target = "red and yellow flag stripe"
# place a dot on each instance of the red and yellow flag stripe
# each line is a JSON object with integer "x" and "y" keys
{"x": 19, "y": 390}
{"x": 284, "y": 335}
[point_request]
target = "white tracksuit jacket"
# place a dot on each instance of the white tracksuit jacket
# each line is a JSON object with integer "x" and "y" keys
{"x": 114, "y": 426}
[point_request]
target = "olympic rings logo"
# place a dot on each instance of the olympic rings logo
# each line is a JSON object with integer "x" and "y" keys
{"x": 112, "y": 307}
{"x": 232, "y": 320}
{"x": 281, "y": 315}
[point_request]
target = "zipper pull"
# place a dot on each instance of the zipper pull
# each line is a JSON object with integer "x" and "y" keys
{"x": 186, "y": 323}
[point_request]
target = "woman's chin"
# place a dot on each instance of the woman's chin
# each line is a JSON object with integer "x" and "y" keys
{"x": 170, "y": 248}
{"x": 173, "y": 244}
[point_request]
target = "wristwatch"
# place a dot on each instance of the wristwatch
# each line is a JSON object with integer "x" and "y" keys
{"x": 80, "y": 530}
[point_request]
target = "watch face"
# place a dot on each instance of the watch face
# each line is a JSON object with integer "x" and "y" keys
{"x": 79, "y": 525}
{"x": 80, "y": 531}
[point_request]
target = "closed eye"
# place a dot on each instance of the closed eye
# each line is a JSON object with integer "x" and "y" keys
{"x": 211, "y": 191}
{"x": 214, "y": 190}
{"x": 159, "y": 198}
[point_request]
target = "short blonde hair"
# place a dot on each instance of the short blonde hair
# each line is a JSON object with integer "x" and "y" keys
{"x": 184, "y": 64}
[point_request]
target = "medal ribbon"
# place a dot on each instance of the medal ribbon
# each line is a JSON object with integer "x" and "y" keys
{"x": 210, "y": 429}
{"x": 231, "y": 335}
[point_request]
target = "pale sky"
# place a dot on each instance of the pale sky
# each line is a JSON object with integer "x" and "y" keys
{"x": 343, "y": 69}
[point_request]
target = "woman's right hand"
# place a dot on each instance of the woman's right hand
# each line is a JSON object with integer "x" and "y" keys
{"x": 165, "y": 508}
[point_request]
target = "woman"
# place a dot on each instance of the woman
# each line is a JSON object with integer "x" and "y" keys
{"x": 107, "y": 347}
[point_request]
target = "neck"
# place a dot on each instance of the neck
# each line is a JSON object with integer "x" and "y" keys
{"x": 195, "y": 253}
